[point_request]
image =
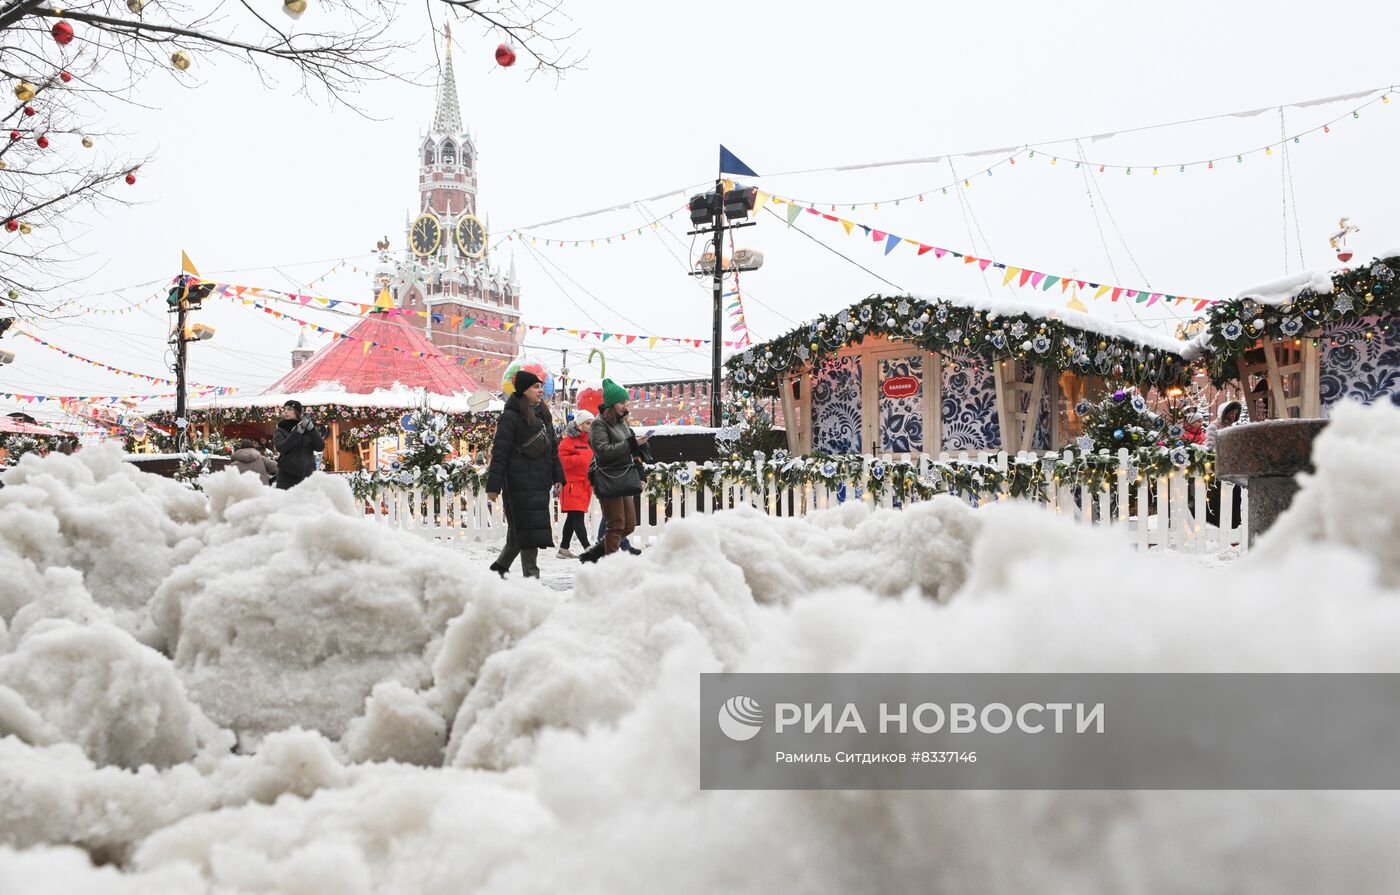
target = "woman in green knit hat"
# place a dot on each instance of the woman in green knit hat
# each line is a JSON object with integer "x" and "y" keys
{"x": 616, "y": 477}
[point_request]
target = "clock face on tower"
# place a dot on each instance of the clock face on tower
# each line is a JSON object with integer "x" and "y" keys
{"x": 471, "y": 237}
{"x": 426, "y": 235}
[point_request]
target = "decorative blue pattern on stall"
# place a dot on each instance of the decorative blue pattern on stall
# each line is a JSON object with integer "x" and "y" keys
{"x": 1365, "y": 370}
{"x": 902, "y": 419}
{"x": 836, "y": 406}
{"x": 969, "y": 404}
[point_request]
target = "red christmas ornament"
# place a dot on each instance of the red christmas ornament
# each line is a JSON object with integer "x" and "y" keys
{"x": 14, "y": 136}
{"x": 130, "y": 179}
{"x": 65, "y": 77}
{"x": 43, "y": 142}
{"x": 12, "y": 225}
{"x": 29, "y": 110}
{"x": 62, "y": 33}
{"x": 505, "y": 56}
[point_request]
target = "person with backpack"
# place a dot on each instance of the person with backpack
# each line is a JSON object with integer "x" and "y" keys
{"x": 524, "y": 470}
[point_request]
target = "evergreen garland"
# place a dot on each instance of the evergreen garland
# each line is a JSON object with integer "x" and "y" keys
{"x": 944, "y": 326}
{"x": 1371, "y": 290}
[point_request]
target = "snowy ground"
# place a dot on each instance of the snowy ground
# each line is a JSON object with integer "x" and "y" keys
{"x": 264, "y": 692}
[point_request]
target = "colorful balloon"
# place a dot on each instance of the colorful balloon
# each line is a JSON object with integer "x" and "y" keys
{"x": 590, "y": 398}
{"x": 534, "y": 366}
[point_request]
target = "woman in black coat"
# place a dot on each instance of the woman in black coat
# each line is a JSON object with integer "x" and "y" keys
{"x": 524, "y": 468}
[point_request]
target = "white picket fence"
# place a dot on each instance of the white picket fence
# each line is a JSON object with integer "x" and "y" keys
{"x": 1169, "y": 511}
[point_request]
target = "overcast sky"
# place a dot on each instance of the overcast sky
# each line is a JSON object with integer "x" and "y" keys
{"x": 265, "y": 187}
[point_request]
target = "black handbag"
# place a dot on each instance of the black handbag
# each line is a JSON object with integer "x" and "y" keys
{"x": 622, "y": 483}
{"x": 536, "y": 446}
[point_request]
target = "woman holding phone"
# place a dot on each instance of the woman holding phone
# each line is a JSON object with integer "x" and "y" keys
{"x": 615, "y": 475}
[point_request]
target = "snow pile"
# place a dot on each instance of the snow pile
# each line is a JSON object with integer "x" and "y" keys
{"x": 1353, "y": 497}
{"x": 297, "y": 605}
{"x": 97, "y": 687}
{"x": 591, "y": 704}
{"x": 122, "y": 530}
{"x": 590, "y": 659}
{"x": 56, "y": 794}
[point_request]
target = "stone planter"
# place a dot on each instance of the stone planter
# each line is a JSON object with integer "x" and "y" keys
{"x": 1266, "y": 458}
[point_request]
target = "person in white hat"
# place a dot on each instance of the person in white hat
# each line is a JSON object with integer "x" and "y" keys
{"x": 575, "y": 455}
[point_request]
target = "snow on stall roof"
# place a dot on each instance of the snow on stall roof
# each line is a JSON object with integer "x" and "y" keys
{"x": 1285, "y": 289}
{"x": 332, "y": 393}
{"x": 1141, "y": 335}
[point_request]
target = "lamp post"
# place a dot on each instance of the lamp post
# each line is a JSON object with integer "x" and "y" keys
{"x": 187, "y": 294}
{"x": 721, "y": 210}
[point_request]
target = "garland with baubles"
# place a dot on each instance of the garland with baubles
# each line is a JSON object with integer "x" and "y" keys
{"x": 943, "y": 326}
{"x": 427, "y": 463}
{"x": 1368, "y": 291}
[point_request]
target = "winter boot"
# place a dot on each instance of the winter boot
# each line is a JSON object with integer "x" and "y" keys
{"x": 498, "y": 570}
{"x": 592, "y": 554}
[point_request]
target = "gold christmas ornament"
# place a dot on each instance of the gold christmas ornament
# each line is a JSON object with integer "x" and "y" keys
{"x": 3, "y": 166}
{"x": 87, "y": 142}
{"x": 294, "y": 8}
{"x": 180, "y": 59}
{"x": 24, "y": 91}
{"x": 25, "y": 229}
{"x": 136, "y": 5}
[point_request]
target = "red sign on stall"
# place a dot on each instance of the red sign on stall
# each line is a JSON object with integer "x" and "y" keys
{"x": 900, "y": 386}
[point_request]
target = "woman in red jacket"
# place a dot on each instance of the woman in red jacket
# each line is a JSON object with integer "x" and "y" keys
{"x": 575, "y": 456}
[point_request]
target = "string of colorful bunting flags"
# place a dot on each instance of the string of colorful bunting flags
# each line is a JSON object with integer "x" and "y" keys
{"x": 159, "y": 380}
{"x": 386, "y": 307}
{"x": 1022, "y": 277}
{"x": 589, "y": 242}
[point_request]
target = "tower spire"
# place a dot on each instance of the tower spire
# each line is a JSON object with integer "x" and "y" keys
{"x": 448, "y": 119}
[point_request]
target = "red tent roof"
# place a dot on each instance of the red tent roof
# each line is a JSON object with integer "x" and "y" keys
{"x": 18, "y": 426}
{"x": 360, "y": 372}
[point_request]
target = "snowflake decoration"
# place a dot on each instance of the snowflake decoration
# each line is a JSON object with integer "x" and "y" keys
{"x": 844, "y": 318}
{"x": 430, "y": 439}
{"x": 829, "y": 469}
{"x": 865, "y": 314}
{"x": 181, "y": 422}
{"x": 1082, "y": 359}
{"x": 1018, "y": 329}
{"x": 748, "y": 357}
{"x": 1085, "y": 443}
{"x": 1343, "y": 304}
{"x": 903, "y": 309}
{"x": 840, "y": 333}
{"x": 761, "y": 365}
{"x": 1178, "y": 456}
{"x": 1232, "y": 330}
{"x": 916, "y": 328}
{"x": 1382, "y": 273}
{"x": 1041, "y": 344}
{"x": 1176, "y": 430}
{"x": 802, "y": 352}
{"x": 941, "y": 315}
{"x": 1082, "y": 408}
{"x": 684, "y": 477}
{"x": 405, "y": 478}
{"x": 877, "y": 471}
{"x": 999, "y": 340}
{"x": 1291, "y": 326}
{"x": 1139, "y": 404}
{"x": 955, "y": 334}
{"x": 741, "y": 377}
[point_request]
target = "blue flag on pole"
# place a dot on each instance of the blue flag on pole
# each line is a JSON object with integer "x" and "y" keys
{"x": 729, "y": 164}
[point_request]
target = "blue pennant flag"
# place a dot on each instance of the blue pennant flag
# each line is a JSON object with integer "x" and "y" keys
{"x": 891, "y": 241}
{"x": 729, "y": 164}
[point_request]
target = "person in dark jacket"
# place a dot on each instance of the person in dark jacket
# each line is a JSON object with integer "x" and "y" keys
{"x": 524, "y": 468}
{"x": 296, "y": 441}
{"x": 248, "y": 458}
{"x": 616, "y": 450}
